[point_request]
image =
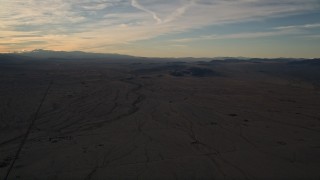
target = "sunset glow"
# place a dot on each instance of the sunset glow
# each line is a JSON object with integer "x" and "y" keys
{"x": 175, "y": 28}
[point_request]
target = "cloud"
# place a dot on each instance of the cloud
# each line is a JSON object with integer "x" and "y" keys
{"x": 305, "y": 26}
{"x": 135, "y": 4}
{"x": 309, "y": 37}
{"x": 98, "y": 24}
{"x": 178, "y": 12}
{"x": 239, "y": 36}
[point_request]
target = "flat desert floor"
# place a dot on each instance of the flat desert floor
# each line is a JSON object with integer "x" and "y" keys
{"x": 159, "y": 120}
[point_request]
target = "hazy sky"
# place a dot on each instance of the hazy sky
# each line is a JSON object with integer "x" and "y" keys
{"x": 199, "y": 28}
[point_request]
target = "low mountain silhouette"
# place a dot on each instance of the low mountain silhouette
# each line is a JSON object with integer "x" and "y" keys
{"x": 76, "y": 55}
{"x": 48, "y": 54}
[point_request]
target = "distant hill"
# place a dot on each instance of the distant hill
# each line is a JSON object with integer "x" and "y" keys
{"x": 47, "y": 54}
{"x": 313, "y": 62}
{"x": 78, "y": 55}
{"x": 9, "y": 58}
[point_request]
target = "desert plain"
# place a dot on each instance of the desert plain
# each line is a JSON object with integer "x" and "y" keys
{"x": 159, "y": 119}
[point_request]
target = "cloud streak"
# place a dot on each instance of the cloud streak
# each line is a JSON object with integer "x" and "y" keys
{"x": 305, "y": 26}
{"x": 231, "y": 36}
{"x": 278, "y": 31}
{"x": 99, "y": 25}
{"x": 179, "y": 11}
{"x": 135, "y": 4}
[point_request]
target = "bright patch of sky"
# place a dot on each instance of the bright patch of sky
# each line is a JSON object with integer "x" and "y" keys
{"x": 166, "y": 28}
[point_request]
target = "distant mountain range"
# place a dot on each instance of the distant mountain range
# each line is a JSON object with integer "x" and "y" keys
{"x": 48, "y": 54}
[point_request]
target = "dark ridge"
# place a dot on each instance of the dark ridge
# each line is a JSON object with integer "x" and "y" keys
{"x": 195, "y": 71}
{"x": 174, "y": 67}
{"x": 176, "y": 73}
{"x": 47, "y": 54}
{"x": 313, "y": 62}
{"x": 177, "y": 62}
{"x": 202, "y": 72}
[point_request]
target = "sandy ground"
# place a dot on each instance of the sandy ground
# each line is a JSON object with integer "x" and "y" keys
{"x": 135, "y": 120}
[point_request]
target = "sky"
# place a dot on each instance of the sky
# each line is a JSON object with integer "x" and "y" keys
{"x": 164, "y": 28}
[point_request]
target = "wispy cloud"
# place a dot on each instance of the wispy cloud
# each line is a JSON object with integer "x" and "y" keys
{"x": 305, "y": 26}
{"x": 135, "y": 4}
{"x": 246, "y": 35}
{"x": 177, "y": 13}
{"x": 94, "y": 24}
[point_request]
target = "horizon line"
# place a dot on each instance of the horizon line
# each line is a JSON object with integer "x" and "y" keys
{"x": 162, "y": 57}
